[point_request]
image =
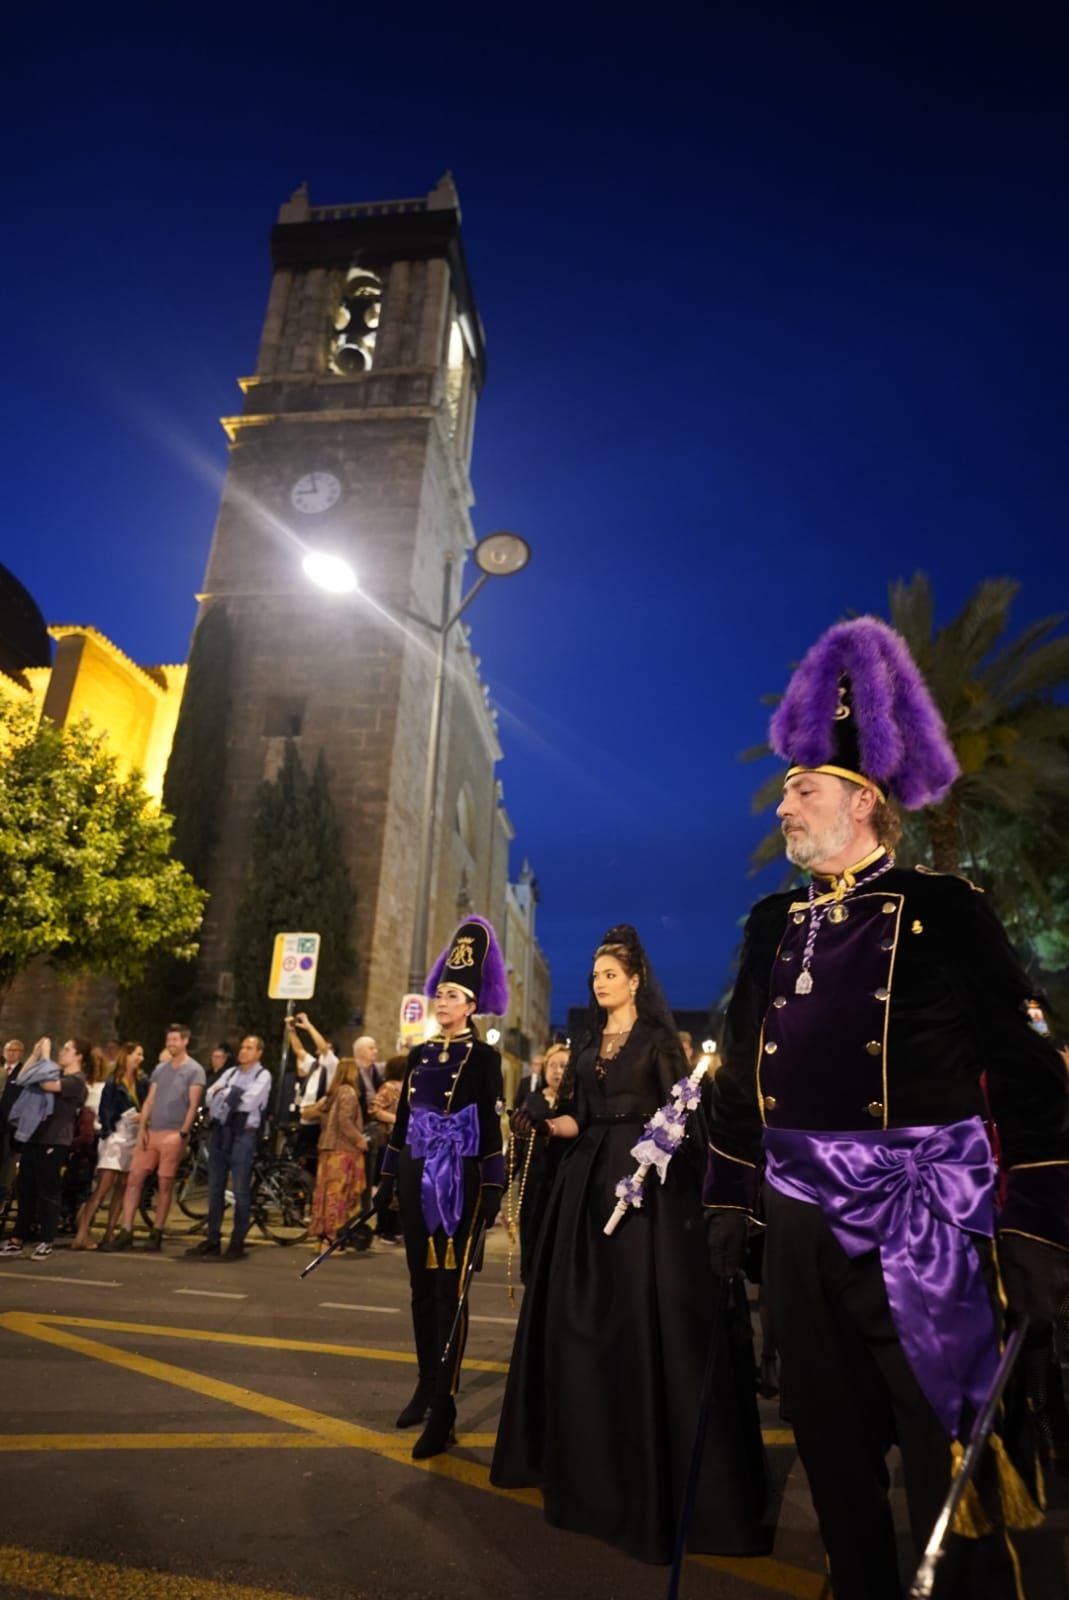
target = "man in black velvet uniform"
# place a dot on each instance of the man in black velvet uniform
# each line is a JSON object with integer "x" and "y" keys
{"x": 865, "y": 1013}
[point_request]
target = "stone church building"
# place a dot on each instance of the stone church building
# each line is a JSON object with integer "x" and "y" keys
{"x": 354, "y": 439}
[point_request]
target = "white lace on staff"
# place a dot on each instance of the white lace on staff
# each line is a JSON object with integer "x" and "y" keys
{"x": 661, "y": 1138}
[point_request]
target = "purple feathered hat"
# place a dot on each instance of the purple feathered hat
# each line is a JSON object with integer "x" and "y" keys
{"x": 858, "y": 707}
{"x": 473, "y": 961}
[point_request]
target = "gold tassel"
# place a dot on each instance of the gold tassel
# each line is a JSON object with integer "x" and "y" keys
{"x": 450, "y": 1256}
{"x": 969, "y": 1519}
{"x": 432, "y": 1259}
{"x": 1019, "y": 1510}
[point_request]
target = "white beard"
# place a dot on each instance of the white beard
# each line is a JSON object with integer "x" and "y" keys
{"x": 806, "y": 849}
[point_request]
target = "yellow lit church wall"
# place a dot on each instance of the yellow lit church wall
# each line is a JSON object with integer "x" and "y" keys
{"x": 136, "y": 707}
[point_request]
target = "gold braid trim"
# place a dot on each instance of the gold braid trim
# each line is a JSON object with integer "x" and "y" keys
{"x": 970, "y": 1520}
{"x": 1018, "y": 1507}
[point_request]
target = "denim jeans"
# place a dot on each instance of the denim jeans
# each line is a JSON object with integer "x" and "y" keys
{"x": 237, "y": 1160}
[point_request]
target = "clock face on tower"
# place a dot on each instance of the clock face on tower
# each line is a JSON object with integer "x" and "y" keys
{"x": 315, "y": 492}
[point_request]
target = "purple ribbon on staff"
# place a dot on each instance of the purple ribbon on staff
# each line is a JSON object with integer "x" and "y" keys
{"x": 442, "y": 1140}
{"x": 915, "y": 1194}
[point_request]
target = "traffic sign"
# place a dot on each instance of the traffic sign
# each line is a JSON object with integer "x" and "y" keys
{"x": 415, "y": 1010}
{"x": 293, "y": 966}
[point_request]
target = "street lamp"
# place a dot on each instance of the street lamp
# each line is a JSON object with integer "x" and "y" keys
{"x": 499, "y": 555}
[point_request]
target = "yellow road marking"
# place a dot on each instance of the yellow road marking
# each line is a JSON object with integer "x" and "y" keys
{"x": 767, "y": 1573}
{"x": 764, "y": 1572}
{"x": 248, "y": 1341}
{"x": 67, "y": 1578}
{"x": 165, "y": 1441}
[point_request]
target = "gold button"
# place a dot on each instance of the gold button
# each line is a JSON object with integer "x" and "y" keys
{"x": 874, "y": 1047}
{"x": 779, "y": 1002}
{"x": 889, "y": 908}
{"x": 838, "y": 914}
{"x": 875, "y": 1108}
{"x": 771, "y": 1047}
{"x": 799, "y": 916}
{"x": 918, "y": 926}
{"x": 770, "y": 1102}
{"x": 786, "y": 956}
{"x": 882, "y": 994}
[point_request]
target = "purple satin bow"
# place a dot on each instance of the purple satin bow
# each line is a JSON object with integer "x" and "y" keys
{"x": 442, "y": 1140}
{"x": 915, "y": 1194}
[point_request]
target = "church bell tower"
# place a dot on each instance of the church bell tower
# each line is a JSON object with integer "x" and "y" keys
{"x": 354, "y": 439}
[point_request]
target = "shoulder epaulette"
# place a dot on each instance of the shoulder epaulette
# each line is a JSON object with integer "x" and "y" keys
{"x": 930, "y": 872}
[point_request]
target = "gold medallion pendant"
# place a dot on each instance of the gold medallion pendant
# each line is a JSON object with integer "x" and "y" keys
{"x": 443, "y": 1055}
{"x": 838, "y": 914}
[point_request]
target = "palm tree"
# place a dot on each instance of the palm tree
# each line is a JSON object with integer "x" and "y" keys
{"x": 1010, "y": 735}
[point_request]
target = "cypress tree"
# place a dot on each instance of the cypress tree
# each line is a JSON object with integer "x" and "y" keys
{"x": 297, "y": 881}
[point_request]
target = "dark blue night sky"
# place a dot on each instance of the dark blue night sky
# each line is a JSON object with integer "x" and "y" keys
{"x": 776, "y": 308}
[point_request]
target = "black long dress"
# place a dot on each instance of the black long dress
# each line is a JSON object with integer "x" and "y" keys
{"x": 603, "y": 1389}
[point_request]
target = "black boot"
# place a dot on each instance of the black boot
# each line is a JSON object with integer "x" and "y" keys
{"x": 418, "y": 1407}
{"x": 438, "y": 1435}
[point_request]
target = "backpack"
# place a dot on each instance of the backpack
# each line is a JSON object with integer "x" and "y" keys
{"x": 85, "y": 1131}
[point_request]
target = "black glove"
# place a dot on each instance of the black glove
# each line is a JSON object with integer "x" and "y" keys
{"x": 383, "y": 1196}
{"x": 1035, "y": 1275}
{"x": 520, "y": 1123}
{"x": 725, "y": 1236}
{"x": 489, "y": 1205}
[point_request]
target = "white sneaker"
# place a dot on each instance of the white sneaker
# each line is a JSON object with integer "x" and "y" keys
{"x": 11, "y": 1247}
{"x": 42, "y": 1252}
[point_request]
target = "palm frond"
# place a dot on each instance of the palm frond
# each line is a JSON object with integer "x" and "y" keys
{"x": 770, "y": 792}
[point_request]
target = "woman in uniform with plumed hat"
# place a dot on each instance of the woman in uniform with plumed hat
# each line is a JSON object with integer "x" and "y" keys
{"x": 602, "y": 1398}
{"x": 445, "y": 1160}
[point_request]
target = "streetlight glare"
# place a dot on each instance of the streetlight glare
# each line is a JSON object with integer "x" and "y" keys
{"x": 499, "y": 555}
{"x": 332, "y": 573}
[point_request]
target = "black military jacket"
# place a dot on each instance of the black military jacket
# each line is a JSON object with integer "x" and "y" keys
{"x": 470, "y": 1075}
{"x": 915, "y": 995}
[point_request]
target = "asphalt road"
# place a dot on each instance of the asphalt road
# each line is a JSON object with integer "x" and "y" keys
{"x": 222, "y": 1431}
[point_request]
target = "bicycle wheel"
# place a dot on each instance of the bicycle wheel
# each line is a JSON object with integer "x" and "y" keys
{"x": 191, "y": 1188}
{"x": 282, "y": 1201}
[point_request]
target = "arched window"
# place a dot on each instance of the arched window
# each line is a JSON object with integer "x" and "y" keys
{"x": 356, "y": 323}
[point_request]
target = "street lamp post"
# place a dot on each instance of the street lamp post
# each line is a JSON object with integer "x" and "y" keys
{"x": 499, "y": 555}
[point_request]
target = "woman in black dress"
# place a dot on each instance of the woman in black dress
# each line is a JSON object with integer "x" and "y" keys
{"x": 445, "y": 1160}
{"x": 602, "y": 1396}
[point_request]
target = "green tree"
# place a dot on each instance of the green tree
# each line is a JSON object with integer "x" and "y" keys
{"x": 89, "y": 881}
{"x": 1005, "y": 822}
{"x": 192, "y": 791}
{"x": 297, "y": 879}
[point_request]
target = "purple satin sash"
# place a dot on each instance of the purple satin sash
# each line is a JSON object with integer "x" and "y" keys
{"x": 915, "y": 1194}
{"x": 442, "y": 1139}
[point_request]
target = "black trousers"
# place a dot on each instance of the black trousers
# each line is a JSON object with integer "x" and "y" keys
{"x": 850, "y": 1394}
{"x": 40, "y": 1167}
{"x": 435, "y": 1290}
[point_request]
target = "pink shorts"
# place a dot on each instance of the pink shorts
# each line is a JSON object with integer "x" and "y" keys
{"x": 164, "y": 1153}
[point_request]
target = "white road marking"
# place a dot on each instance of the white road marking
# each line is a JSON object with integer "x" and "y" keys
{"x": 52, "y": 1277}
{"x": 509, "y": 1321}
{"x": 213, "y": 1294}
{"x": 342, "y": 1305}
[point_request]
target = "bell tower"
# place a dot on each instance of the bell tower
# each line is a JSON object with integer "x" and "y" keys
{"x": 354, "y": 439}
